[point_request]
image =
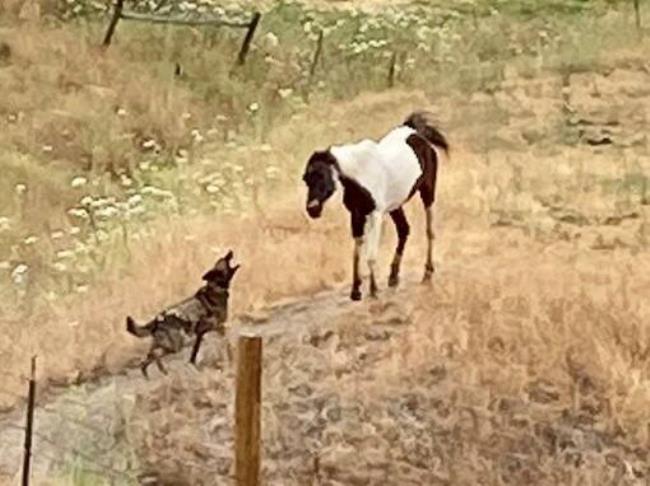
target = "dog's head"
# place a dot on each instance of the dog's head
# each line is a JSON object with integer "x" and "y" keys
{"x": 222, "y": 272}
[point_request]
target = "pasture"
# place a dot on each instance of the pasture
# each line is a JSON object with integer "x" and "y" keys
{"x": 526, "y": 361}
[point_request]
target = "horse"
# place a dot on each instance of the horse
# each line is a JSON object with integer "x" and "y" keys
{"x": 379, "y": 177}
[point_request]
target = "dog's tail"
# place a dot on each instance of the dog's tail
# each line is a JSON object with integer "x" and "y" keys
{"x": 139, "y": 331}
{"x": 419, "y": 121}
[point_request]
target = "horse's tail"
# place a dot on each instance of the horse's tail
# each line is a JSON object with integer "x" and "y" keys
{"x": 419, "y": 121}
{"x": 139, "y": 331}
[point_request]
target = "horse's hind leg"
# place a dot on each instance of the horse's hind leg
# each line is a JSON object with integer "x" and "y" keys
{"x": 429, "y": 268}
{"x": 403, "y": 229}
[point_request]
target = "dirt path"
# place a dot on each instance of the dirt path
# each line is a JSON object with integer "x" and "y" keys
{"x": 93, "y": 413}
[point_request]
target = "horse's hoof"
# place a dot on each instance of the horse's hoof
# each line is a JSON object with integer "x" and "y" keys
{"x": 393, "y": 281}
{"x": 355, "y": 295}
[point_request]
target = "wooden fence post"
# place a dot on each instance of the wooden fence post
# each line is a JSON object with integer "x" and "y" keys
{"x": 637, "y": 13}
{"x": 117, "y": 14}
{"x": 247, "y": 411}
{"x": 31, "y": 397}
{"x": 317, "y": 54}
{"x": 250, "y": 33}
{"x": 391, "y": 70}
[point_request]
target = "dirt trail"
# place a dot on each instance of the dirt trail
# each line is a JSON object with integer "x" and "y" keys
{"x": 95, "y": 411}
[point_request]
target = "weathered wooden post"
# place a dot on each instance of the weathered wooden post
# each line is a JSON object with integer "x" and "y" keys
{"x": 250, "y": 33}
{"x": 31, "y": 398}
{"x": 392, "y": 69}
{"x": 317, "y": 54}
{"x": 248, "y": 402}
{"x": 117, "y": 14}
{"x": 637, "y": 13}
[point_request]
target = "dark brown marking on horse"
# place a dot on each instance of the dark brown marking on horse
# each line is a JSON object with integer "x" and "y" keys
{"x": 403, "y": 229}
{"x": 428, "y": 159}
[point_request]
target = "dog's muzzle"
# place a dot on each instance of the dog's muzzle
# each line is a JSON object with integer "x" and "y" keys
{"x": 314, "y": 208}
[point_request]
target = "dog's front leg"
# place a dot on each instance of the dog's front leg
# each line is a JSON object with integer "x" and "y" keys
{"x": 195, "y": 349}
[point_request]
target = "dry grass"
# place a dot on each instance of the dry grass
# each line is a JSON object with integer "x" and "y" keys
{"x": 542, "y": 239}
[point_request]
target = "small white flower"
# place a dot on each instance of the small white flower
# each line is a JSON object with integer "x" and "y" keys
{"x": 149, "y": 143}
{"x": 253, "y": 107}
{"x": 126, "y": 181}
{"x": 47, "y": 148}
{"x": 86, "y": 201}
{"x": 74, "y": 230}
{"x": 60, "y": 267}
{"x": 78, "y": 181}
{"x": 30, "y": 240}
{"x": 196, "y": 135}
{"x": 186, "y": 116}
{"x": 144, "y": 165}
{"x": 5, "y": 223}
{"x": 64, "y": 254}
{"x": 212, "y": 189}
{"x": 270, "y": 41}
{"x": 81, "y": 289}
{"x": 78, "y": 213}
{"x": 265, "y": 148}
{"x": 121, "y": 112}
{"x": 57, "y": 235}
{"x": 20, "y": 188}
{"x": 285, "y": 92}
{"x": 135, "y": 200}
{"x": 19, "y": 273}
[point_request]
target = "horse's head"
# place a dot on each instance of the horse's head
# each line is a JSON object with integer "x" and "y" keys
{"x": 319, "y": 177}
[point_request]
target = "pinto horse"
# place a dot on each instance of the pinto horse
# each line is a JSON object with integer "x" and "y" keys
{"x": 378, "y": 178}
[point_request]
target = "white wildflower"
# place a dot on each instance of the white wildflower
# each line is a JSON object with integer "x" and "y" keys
{"x": 19, "y": 273}
{"x": 144, "y": 165}
{"x": 150, "y": 143}
{"x": 285, "y": 92}
{"x": 60, "y": 267}
{"x": 270, "y": 41}
{"x": 186, "y": 116}
{"x": 253, "y": 107}
{"x": 78, "y": 181}
{"x": 86, "y": 201}
{"x": 47, "y": 148}
{"x": 78, "y": 213}
{"x": 64, "y": 254}
{"x": 5, "y": 223}
{"x": 81, "y": 289}
{"x": 74, "y": 230}
{"x": 121, "y": 112}
{"x": 30, "y": 240}
{"x": 196, "y": 135}
{"x": 135, "y": 200}
{"x": 212, "y": 189}
{"x": 57, "y": 235}
{"x": 20, "y": 188}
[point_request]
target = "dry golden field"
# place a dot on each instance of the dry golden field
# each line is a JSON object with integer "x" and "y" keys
{"x": 526, "y": 362}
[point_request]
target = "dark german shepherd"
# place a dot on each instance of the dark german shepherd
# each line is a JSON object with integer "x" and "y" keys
{"x": 206, "y": 310}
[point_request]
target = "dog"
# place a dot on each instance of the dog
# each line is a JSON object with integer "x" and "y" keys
{"x": 205, "y": 311}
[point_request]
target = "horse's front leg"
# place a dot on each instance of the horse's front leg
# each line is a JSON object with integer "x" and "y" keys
{"x": 374, "y": 234}
{"x": 358, "y": 223}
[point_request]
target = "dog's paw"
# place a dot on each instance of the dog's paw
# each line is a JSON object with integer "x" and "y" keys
{"x": 355, "y": 295}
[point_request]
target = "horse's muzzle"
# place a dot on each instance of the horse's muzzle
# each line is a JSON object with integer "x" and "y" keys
{"x": 314, "y": 208}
